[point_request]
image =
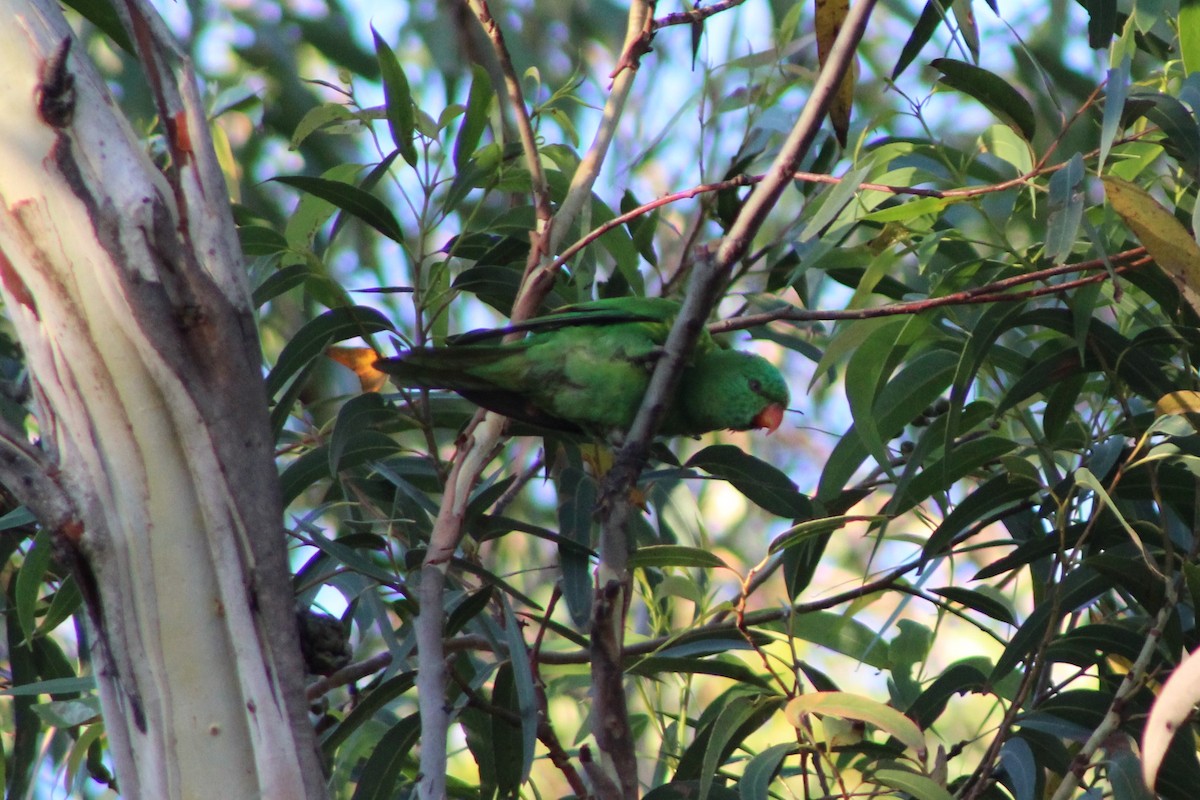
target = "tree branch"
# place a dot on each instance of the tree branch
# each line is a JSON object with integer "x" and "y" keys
{"x": 995, "y": 292}
{"x": 33, "y": 478}
{"x": 541, "y": 271}
{"x": 702, "y": 296}
{"x": 487, "y": 429}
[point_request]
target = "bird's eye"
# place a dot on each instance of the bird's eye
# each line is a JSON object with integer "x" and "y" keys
{"x": 755, "y": 385}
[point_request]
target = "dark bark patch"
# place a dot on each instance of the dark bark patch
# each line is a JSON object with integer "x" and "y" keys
{"x": 56, "y": 89}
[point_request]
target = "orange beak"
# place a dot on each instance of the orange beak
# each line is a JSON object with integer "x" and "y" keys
{"x": 769, "y": 418}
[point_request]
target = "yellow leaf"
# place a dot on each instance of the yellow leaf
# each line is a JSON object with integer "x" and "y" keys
{"x": 1175, "y": 403}
{"x": 829, "y": 16}
{"x": 1163, "y": 236}
{"x": 361, "y": 361}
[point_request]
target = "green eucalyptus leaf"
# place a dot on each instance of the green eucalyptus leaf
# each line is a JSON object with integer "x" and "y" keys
{"x": 995, "y": 93}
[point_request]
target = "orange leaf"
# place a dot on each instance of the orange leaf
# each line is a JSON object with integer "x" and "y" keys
{"x": 360, "y": 361}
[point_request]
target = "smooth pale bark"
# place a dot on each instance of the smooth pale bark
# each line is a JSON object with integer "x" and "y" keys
{"x": 125, "y": 286}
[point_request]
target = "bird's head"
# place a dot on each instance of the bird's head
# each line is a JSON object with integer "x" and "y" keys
{"x": 734, "y": 390}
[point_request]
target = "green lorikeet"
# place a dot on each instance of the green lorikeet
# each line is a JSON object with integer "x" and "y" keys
{"x": 585, "y": 368}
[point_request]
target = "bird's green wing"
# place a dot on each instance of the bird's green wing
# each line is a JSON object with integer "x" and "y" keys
{"x": 584, "y": 368}
{"x": 492, "y": 377}
{"x": 576, "y": 378}
{"x": 609, "y": 311}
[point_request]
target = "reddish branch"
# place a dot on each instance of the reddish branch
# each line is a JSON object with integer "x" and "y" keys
{"x": 696, "y": 15}
{"x": 994, "y": 292}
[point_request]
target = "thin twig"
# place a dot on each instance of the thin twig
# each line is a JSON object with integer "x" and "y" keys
{"x": 988, "y": 293}
{"x": 516, "y": 101}
{"x": 696, "y": 15}
{"x": 540, "y": 272}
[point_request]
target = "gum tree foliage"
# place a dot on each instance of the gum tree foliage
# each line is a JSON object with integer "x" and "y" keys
{"x": 965, "y": 570}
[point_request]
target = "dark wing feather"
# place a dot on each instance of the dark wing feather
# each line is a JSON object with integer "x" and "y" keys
{"x": 450, "y": 368}
{"x": 610, "y": 311}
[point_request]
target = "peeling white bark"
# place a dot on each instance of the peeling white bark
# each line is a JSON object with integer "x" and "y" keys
{"x": 126, "y": 291}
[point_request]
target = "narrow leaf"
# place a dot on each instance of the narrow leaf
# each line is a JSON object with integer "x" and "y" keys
{"x": 526, "y": 693}
{"x": 1016, "y": 758}
{"x": 979, "y": 602}
{"x": 760, "y": 482}
{"x": 1174, "y": 704}
{"x": 735, "y": 670}
{"x": 851, "y": 706}
{"x": 1116, "y": 88}
{"x": 576, "y": 499}
{"x": 964, "y": 15}
{"x": 351, "y": 199}
{"x": 829, "y": 16}
{"x": 53, "y": 686}
{"x": 726, "y": 732}
{"x": 398, "y": 98}
{"x": 992, "y": 91}
{"x": 1189, "y": 35}
{"x": 1173, "y": 248}
{"x": 931, "y": 17}
{"x": 479, "y": 101}
{"x": 818, "y": 527}
{"x": 1065, "y": 210}
{"x": 29, "y": 581}
{"x": 674, "y": 555}
{"x": 918, "y": 786}
{"x": 1124, "y": 774}
{"x": 383, "y": 769}
{"x": 757, "y": 776}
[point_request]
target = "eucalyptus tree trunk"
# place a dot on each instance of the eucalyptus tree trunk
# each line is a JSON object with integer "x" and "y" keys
{"x": 154, "y": 468}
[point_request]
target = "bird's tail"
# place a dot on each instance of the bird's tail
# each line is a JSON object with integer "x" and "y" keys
{"x": 455, "y": 369}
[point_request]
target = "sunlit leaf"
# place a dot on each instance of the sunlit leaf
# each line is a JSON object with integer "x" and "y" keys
{"x": 1172, "y": 706}
{"x": 1173, "y": 248}
{"x": 1184, "y": 401}
{"x": 817, "y": 527}
{"x": 479, "y": 101}
{"x": 918, "y": 786}
{"x": 851, "y": 706}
